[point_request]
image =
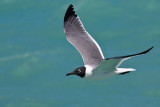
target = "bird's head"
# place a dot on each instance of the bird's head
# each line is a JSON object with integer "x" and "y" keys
{"x": 79, "y": 72}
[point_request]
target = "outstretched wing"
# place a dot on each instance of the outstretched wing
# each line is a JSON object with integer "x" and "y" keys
{"x": 114, "y": 62}
{"x": 80, "y": 38}
{"x": 110, "y": 64}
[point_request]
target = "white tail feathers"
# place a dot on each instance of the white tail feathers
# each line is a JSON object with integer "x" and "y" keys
{"x": 124, "y": 70}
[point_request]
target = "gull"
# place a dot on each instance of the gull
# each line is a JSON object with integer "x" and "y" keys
{"x": 95, "y": 65}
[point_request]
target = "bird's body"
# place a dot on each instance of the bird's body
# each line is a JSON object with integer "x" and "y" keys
{"x": 104, "y": 70}
{"x": 95, "y": 65}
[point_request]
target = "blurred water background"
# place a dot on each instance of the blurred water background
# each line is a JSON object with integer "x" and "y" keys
{"x": 35, "y": 55}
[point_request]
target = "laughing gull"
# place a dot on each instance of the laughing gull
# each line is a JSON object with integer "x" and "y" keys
{"x": 95, "y": 65}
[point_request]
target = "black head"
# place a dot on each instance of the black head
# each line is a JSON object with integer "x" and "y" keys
{"x": 79, "y": 72}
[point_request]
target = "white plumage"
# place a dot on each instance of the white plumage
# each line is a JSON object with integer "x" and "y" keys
{"x": 95, "y": 65}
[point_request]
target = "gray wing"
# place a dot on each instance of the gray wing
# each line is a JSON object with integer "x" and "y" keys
{"x": 111, "y": 64}
{"x": 114, "y": 62}
{"x": 80, "y": 38}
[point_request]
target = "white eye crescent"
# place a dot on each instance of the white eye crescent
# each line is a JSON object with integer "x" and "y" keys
{"x": 79, "y": 70}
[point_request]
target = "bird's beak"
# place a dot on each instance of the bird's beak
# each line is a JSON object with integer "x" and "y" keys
{"x": 71, "y": 73}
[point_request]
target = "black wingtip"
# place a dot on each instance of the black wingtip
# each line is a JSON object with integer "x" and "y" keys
{"x": 141, "y": 53}
{"x": 70, "y": 12}
{"x": 147, "y": 50}
{"x": 144, "y": 52}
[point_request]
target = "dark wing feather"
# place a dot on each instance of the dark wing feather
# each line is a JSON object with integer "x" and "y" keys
{"x": 116, "y": 61}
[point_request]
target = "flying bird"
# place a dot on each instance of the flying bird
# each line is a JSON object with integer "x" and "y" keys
{"x": 95, "y": 65}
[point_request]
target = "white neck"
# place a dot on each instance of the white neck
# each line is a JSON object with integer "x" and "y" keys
{"x": 88, "y": 70}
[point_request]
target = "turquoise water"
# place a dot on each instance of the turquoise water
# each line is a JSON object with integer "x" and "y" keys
{"x": 35, "y": 55}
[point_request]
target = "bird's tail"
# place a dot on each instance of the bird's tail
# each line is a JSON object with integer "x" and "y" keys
{"x": 124, "y": 70}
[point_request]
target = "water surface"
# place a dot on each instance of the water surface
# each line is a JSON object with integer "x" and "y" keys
{"x": 35, "y": 55}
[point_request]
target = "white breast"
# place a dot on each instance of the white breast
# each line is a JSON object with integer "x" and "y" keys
{"x": 98, "y": 73}
{"x": 88, "y": 70}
